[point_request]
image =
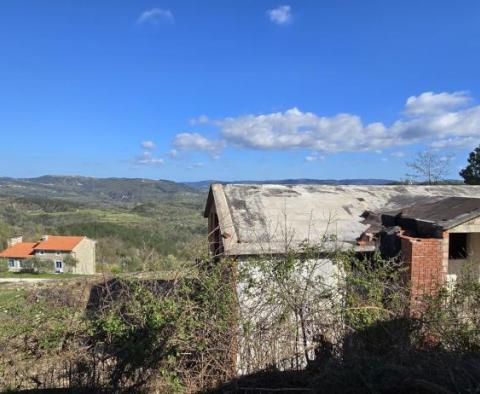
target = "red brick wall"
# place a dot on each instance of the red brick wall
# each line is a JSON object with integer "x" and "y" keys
{"x": 424, "y": 257}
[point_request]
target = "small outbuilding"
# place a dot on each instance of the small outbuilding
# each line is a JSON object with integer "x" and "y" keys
{"x": 440, "y": 240}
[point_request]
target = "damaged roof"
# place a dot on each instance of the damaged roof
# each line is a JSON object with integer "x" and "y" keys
{"x": 445, "y": 214}
{"x": 264, "y": 219}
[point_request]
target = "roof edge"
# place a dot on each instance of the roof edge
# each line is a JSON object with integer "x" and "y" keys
{"x": 461, "y": 220}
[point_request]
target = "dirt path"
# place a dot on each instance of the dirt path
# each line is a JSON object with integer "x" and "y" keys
{"x": 25, "y": 280}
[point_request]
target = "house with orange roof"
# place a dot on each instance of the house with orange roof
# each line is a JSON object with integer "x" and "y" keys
{"x": 55, "y": 249}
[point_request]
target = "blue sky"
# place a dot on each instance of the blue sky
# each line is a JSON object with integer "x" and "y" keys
{"x": 190, "y": 90}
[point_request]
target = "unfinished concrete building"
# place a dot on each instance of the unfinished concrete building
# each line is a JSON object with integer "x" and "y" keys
{"x": 435, "y": 229}
{"x": 249, "y": 220}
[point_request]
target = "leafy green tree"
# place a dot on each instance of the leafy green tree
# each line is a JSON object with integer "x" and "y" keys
{"x": 471, "y": 173}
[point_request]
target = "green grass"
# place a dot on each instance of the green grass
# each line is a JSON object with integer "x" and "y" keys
{"x": 41, "y": 275}
{"x": 10, "y": 296}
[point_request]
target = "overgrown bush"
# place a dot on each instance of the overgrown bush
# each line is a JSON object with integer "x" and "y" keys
{"x": 331, "y": 320}
{"x": 43, "y": 265}
{"x": 137, "y": 334}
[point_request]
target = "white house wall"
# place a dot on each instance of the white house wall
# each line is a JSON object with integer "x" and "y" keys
{"x": 84, "y": 253}
{"x": 278, "y": 344}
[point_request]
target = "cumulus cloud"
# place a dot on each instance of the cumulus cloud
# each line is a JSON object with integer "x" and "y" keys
{"x": 148, "y": 145}
{"x": 156, "y": 16}
{"x": 296, "y": 129}
{"x": 440, "y": 120}
{"x": 429, "y": 103}
{"x": 195, "y": 141}
{"x": 146, "y": 158}
{"x": 281, "y": 15}
{"x": 173, "y": 153}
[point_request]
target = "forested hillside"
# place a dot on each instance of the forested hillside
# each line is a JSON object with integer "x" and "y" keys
{"x": 137, "y": 223}
{"x": 105, "y": 191}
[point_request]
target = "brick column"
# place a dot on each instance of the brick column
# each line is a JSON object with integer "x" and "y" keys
{"x": 425, "y": 259}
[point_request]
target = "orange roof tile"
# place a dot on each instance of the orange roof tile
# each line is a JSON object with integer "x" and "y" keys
{"x": 21, "y": 250}
{"x": 60, "y": 243}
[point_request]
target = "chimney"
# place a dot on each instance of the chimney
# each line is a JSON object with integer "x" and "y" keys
{"x": 44, "y": 238}
{"x": 14, "y": 241}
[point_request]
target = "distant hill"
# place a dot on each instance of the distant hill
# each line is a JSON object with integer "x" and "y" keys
{"x": 94, "y": 190}
{"x": 204, "y": 185}
{"x": 109, "y": 191}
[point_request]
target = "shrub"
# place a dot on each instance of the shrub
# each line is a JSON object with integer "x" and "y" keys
{"x": 42, "y": 265}
{"x": 70, "y": 263}
{"x": 28, "y": 266}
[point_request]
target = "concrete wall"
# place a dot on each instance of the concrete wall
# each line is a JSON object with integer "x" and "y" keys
{"x": 215, "y": 240}
{"x": 472, "y": 226}
{"x": 470, "y": 266}
{"x": 263, "y": 344}
{"x": 456, "y": 269}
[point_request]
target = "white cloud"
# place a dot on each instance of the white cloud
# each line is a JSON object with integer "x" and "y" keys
{"x": 440, "y": 120}
{"x": 281, "y": 15}
{"x": 314, "y": 157}
{"x": 430, "y": 103}
{"x": 146, "y": 158}
{"x": 456, "y": 142}
{"x": 195, "y": 141}
{"x": 156, "y": 16}
{"x": 148, "y": 145}
{"x": 195, "y": 165}
{"x": 397, "y": 154}
{"x": 173, "y": 153}
{"x": 296, "y": 129}
{"x": 202, "y": 119}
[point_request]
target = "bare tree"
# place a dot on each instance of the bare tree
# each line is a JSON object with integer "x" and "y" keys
{"x": 429, "y": 167}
